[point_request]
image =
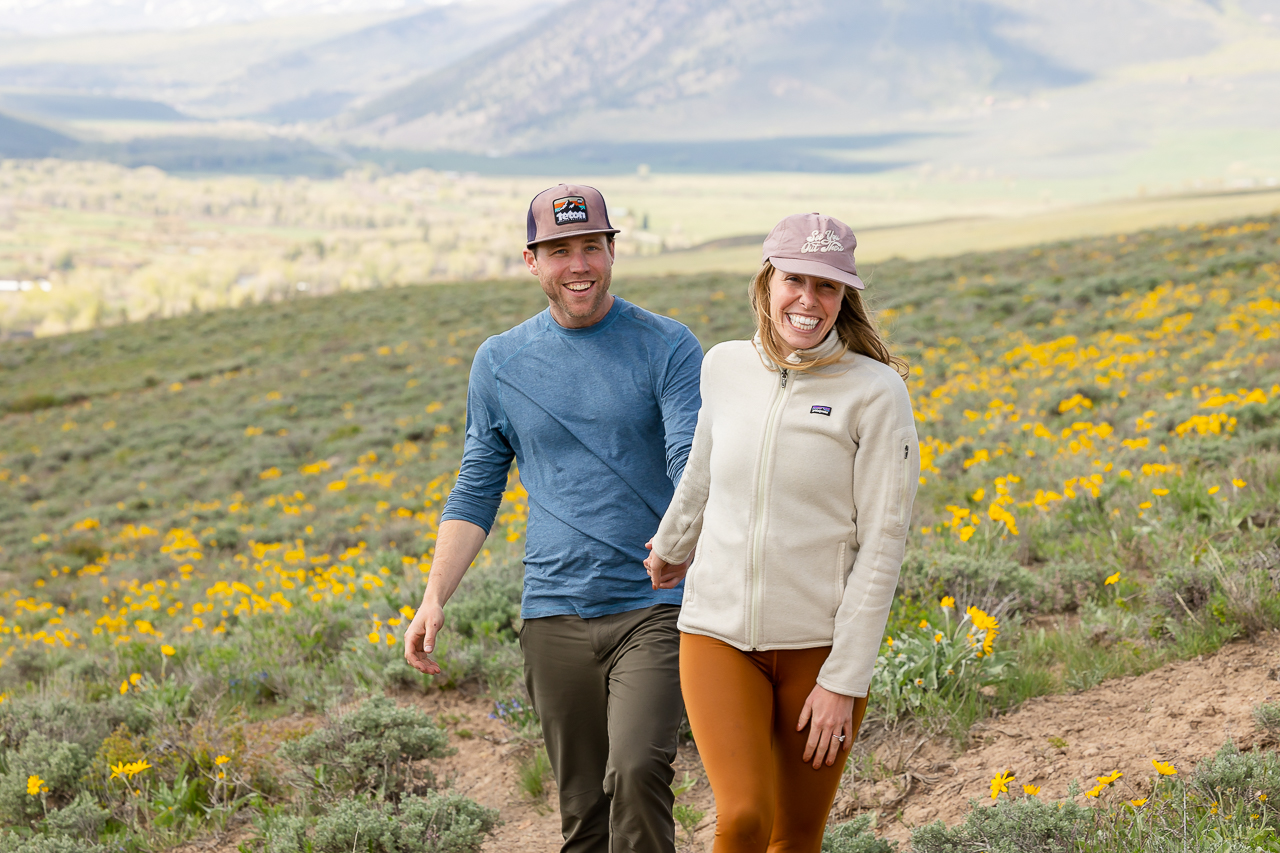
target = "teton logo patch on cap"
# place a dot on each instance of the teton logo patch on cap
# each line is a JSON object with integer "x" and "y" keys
{"x": 821, "y": 410}
{"x": 570, "y": 209}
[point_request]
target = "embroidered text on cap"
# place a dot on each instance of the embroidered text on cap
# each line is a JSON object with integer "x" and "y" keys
{"x": 819, "y": 242}
{"x": 570, "y": 209}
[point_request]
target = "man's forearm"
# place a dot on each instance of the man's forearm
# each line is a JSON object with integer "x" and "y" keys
{"x": 457, "y": 545}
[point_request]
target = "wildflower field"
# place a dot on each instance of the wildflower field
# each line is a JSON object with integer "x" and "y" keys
{"x": 210, "y": 522}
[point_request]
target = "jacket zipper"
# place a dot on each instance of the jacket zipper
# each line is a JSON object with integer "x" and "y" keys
{"x": 902, "y": 495}
{"x": 757, "y": 546}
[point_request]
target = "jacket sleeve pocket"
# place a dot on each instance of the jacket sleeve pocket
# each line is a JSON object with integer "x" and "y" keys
{"x": 905, "y": 479}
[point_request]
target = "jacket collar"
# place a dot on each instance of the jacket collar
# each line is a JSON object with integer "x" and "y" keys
{"x": 829, "y": 345}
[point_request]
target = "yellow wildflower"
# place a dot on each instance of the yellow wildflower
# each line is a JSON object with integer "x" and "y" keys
{"x": 1164, "y": 769}
{"x": 35, "y": 786}
{"x": 1112, "y": 579}
{"x": 1000, "y": 784}
{"x": 1031, "y": 790}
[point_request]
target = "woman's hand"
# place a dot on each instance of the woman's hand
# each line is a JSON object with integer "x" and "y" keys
{"x": 664, "y": 575}
{"x": 830, "y": 720}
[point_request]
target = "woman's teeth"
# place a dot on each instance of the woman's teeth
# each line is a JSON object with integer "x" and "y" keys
{"x": 803, "y": 323}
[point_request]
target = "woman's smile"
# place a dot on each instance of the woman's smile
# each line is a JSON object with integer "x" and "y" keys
{"x": 804, "y": 307}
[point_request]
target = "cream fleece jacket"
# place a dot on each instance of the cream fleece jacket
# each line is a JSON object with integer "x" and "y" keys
{"x": 797, "y": 494}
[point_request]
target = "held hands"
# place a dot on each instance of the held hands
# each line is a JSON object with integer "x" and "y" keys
{"x": 663, "y": 574}
{"x": 420, "y": 638}
{"x": 828, "y": 715}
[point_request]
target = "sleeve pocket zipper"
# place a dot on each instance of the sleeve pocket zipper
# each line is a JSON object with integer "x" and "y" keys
{"x": 903, "y": 509}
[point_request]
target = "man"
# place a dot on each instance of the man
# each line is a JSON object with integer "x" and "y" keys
{"x": 596, "y": 400}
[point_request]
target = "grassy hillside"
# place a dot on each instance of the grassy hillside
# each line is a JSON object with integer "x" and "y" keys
{"x": 220, "y": 517}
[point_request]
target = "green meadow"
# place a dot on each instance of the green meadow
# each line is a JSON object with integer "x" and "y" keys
{"x": 213, "y": 521}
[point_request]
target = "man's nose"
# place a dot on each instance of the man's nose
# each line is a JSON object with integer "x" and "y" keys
{"x": 578, "y": 262}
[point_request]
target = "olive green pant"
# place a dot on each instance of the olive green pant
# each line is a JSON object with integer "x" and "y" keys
{"x": 607, "y": 691}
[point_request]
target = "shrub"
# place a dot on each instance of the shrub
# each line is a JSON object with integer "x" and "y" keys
{"x": 855, "y": 837}
{"x": 63, "y": 718}
{"x": 367, "y": 749}
{"x": 1184, "y": 590}
{"x": 11, "y": 843}
{"x": 81, "y": 818}
{"x": 1240, "y": 775}
{"x": 1009, "y": 826}
{"x": 487, "y": 604}
{"x": 1267, "y": 716}
{"x": 433, "y": 824}
{"x": 60, "y": 765}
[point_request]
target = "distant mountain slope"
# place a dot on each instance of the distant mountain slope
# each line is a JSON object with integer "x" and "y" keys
{"x": 664, "y": 69}
{"x": 319, "y": 80}
{"x": 23, "y": 139}
{"x": 87, "y": 107}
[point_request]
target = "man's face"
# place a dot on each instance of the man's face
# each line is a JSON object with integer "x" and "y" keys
{"x": 575, "y": 273}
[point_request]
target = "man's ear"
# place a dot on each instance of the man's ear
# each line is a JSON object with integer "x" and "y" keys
{"x": 531, "y": 260}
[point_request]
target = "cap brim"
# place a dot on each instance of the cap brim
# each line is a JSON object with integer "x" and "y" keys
{"x": 818, "y": 269}
{"x": 569, "y": 234}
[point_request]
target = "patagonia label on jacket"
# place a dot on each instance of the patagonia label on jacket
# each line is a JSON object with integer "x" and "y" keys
{"x": 821, "y": 410}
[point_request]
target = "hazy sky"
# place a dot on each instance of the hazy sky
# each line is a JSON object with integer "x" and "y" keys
{"x": 57, "y": 17}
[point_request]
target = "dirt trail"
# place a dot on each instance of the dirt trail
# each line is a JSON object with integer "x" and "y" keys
{"x": 1179, "y": 713}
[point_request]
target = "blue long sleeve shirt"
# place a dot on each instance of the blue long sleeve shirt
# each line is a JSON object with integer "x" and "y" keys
{"x": 600, "y": 421}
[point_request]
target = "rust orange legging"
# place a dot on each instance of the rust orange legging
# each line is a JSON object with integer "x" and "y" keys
{"x": 743, "y": 707}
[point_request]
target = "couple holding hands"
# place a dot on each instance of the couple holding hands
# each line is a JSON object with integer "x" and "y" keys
{"x": 717, "y": 534}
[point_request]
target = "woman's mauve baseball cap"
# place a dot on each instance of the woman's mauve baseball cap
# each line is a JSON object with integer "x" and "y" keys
{"x": 813, "y": 244}
{"x": 567, "y": 210}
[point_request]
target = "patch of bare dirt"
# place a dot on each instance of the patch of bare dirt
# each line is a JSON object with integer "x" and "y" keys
{"x": 486, "y": 769}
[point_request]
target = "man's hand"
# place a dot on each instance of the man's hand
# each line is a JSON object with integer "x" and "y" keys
{"x": 830, "y": 720}
{"x": 457, "y": 544}
{"x": 665, "y": 575}
{"x": 420, "y": 638}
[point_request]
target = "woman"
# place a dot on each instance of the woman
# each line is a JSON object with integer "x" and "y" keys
{"x": 797, "y": 494}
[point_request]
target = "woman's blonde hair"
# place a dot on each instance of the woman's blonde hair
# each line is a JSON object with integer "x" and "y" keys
{"x": 855, "y": 327}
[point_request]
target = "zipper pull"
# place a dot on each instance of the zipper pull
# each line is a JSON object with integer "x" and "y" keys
{"x": 906, "y": 451}
{"x": 784, "y": 377}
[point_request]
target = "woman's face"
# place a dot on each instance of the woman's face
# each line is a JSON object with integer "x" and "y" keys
{"x": 803, "y": 308}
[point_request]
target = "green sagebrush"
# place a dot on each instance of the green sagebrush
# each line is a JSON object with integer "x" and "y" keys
{"x": 366, "y": 750}
{"x": 436, "y": 823}
{"x": 855, "y": 837}
{"x": 1009, "y": 826}
{"x": 60, "y": 764}
{"x": 11, "y": 843}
